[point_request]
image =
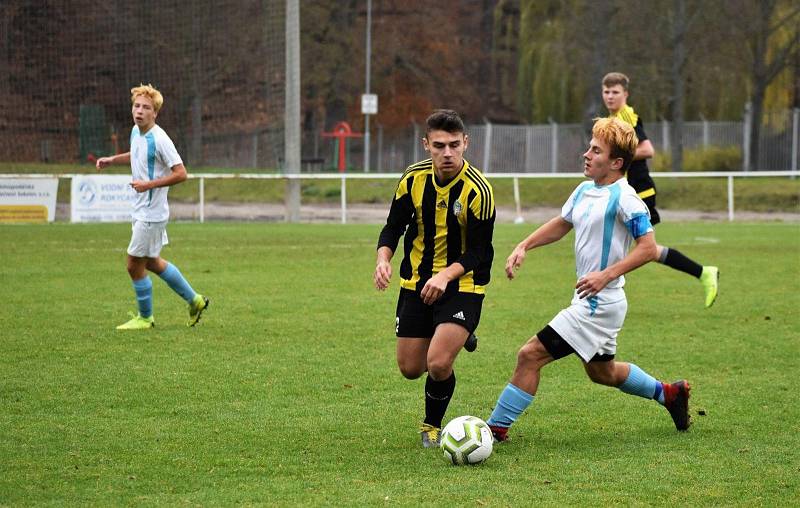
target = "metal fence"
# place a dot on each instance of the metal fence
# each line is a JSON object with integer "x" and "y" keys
{"x": 557, "y": 148}
{"x": 498, "y": 148}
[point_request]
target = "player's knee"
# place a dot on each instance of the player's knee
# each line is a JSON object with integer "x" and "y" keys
{"x": 532, "y": 354}
{"x": 411, "y": 374}
{"x": 410, "y": 370}
{"x": 136, "y": 271}
{"x": 439, "y": 369}
{"x": 136, "y": 268}
{"x": 156, "y": 265}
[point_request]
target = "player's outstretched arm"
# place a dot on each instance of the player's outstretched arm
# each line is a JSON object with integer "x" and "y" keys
{"x": 552, "y": 231}
{"x": 120, "y": 158}
{"x": 645, "y": 251}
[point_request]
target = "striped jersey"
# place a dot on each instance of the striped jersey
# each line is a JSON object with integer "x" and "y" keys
{"x": 606, "y": 220}
{"x": 443, "y": 224}
{"x": 153, "y": 155}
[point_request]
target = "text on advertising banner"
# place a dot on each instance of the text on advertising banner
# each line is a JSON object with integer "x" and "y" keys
{"x": 101, "y": 198}
{"x": 28, "y": 199}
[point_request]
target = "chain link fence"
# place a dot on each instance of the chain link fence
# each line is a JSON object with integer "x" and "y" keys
{"x": 67, "y": 67}
{"x": 557, "y": 148}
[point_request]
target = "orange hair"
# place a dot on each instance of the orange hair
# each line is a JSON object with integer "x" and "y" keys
{"x": 619, "y": 136}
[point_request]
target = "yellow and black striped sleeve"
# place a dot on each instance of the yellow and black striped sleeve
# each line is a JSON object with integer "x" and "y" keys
{"x": 479, "y": 252}
{"x": 401, "y": 213}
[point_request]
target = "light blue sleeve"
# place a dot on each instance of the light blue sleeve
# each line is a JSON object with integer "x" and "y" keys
{"x": 639, "y": 225}
{"x": 635, "y": 214}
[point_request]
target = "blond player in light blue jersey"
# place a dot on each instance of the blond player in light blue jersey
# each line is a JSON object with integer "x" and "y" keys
{"x": 155, "y": 166}
{"x": 608, "y": 217}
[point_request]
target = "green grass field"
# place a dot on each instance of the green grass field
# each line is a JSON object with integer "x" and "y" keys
{"x": 287, "y": 392}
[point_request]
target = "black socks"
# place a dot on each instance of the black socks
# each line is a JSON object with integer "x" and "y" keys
{"x": 437, "y": 397}
{"x": 674, "y": 259}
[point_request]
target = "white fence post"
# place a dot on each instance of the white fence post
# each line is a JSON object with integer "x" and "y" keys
{"x": 255, "y": 150}
{"x": 730, "y": 198}
{"x": 705, "y": 131}
{"x": 553, "y": 146}
{"x": 380, "y": 148}
{"x": 528, "y": 149}
{"x": 795, "y": 138}
{"x": 344, "y": 199}
{"x": 746, "y": 137}
{"x": 202, "y": 199}
{"x": 487, "y": 146}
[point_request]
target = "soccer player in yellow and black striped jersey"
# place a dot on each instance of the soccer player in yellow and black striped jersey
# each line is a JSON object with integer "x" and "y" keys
{"x": 445, "y": 208}
{"x": 615, "y": 97}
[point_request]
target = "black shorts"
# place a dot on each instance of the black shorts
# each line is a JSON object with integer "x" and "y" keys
{"x": 416, "y": 319}
{"x": 559, "y": 348}
{"x": 650, "y": 201}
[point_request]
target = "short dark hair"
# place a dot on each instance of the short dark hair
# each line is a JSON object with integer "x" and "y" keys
{"x": 444, "y": 120}
{"x": 616, "y": 78}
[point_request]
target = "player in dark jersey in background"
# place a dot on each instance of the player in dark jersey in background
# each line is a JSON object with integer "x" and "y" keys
{"x": 615, "y": 97}
{"x": 445, "y": 208}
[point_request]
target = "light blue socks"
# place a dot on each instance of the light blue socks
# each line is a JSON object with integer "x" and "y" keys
{"x": 144, "y": 296}
{"x": 174, "y": 279}
{"x": 642, "y": 384}
{"x": 512, "y": 402}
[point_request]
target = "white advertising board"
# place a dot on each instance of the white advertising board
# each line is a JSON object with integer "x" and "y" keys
{"x": 101, "y": 198}
{"x": 28, "y": 199}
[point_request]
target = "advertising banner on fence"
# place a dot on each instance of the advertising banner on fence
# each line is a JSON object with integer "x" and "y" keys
{"x": 101, "y": 198}
{"x": 28, "y": 199}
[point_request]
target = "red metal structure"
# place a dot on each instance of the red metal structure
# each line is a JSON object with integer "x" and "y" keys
{"x": 341, "y": 131}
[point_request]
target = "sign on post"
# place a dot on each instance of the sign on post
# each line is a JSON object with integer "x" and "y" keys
{"x": 369, "y": 104}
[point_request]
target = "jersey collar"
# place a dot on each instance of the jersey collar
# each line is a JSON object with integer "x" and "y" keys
{"x": 459, "y": 176}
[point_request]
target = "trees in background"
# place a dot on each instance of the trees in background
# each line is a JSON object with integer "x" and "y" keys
{"x": 685, "y": 59}
{"x": 502, "y": 60}
{"x": 770, "y": 33}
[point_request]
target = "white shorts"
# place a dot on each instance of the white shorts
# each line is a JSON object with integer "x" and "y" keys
{"x": 592, "y": 329}
{"x": 147, "y": 239}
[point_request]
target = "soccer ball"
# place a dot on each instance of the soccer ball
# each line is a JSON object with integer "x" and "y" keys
{"x": 466, "y": 440}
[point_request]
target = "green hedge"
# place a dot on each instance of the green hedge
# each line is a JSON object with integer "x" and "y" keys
{"x": 713, "y": 158}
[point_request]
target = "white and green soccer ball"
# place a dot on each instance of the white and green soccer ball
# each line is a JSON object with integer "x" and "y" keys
{"x": 466, "y": 440}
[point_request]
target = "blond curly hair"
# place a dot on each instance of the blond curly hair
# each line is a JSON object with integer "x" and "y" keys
{"x": 150, "y": 92}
